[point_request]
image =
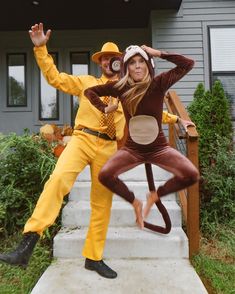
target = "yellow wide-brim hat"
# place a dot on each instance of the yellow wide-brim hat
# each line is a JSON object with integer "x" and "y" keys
{"x": 108, "y": 48}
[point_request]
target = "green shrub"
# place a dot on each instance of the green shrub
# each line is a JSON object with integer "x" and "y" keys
{"x": 25, "y": 164}
{"x": 210, "y": 112}
{"x": 218, "y": 189}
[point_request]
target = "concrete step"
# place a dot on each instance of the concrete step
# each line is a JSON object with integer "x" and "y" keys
{"x": 135, "y": 174}
{"x": 126, "y": 242}
{"x": 77, "y": 214}
{"x": 156, "y": 276}
{"x": 81, "y": 191}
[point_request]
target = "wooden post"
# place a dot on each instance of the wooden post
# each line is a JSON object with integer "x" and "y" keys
{"x": 193, "y": 203}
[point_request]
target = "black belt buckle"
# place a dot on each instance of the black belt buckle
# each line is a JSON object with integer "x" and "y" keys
{"x": 98, "y": 134}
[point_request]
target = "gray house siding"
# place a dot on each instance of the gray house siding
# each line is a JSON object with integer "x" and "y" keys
{"x": 186, "y": 32}
{"x": 15, "y": 119}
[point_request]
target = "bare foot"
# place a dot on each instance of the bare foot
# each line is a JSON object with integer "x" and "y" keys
{"x": 152, "y": 197}
{"x": 138, "y": 205}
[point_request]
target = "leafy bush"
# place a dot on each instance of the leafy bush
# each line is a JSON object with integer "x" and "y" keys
{"x": 25, "y": 164}
{"x": 210, "y": 112}
{"x": 218, "y": 189}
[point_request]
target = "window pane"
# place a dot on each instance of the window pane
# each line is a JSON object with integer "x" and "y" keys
{"x": 79, "y": 66}
{"x": 222, "y": 48}
{"x": 16, "y": 83}
{"x": 222, "y": 44}
{"x": 228, "y": 82}
{"x": 49, "y": 106}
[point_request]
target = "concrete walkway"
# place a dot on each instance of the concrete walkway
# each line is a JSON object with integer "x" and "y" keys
{"x": 135, "y": 276}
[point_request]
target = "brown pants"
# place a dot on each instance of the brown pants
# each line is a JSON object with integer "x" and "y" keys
{"x": 185, "y": 173}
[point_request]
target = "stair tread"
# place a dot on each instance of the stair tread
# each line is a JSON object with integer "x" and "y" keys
{"x": 81, "y": 190}
{"x": 123, "y": 233}
{"x": 118, "y": 204}
{"x": 134, "y": 276}
{"x": 137, "y": 183}
{"x": 77, "y": 213}
{"x": 125, "y": 243}
{"x": 137, "y": 173}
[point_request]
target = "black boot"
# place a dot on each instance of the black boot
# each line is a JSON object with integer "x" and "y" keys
{"x": 101, "y": 268}
{"x": 21, "y": 255}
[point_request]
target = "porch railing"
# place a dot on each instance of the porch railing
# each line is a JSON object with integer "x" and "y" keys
{"x": 187, "y": 143}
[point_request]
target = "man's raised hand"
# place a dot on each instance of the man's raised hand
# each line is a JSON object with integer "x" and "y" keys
{"x": 37, "y": 35}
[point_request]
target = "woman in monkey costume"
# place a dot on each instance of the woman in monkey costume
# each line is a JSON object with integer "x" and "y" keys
{"x": 141, "y": 94}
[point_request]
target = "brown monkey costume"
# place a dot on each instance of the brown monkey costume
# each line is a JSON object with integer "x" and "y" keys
{"x": 146, "y": 142}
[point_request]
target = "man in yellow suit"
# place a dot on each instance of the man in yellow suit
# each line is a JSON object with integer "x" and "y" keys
{"x": 90, "y": 145}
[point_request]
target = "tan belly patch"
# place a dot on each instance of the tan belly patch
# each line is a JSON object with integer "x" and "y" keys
{"x": 143, "y": 129}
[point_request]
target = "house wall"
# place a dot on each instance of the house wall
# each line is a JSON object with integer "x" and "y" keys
{"x": 63, "y": 42}
{"x": 186, "y": 32}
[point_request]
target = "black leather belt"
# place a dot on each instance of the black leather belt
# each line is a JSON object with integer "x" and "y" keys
{"x": 98, "y": 134}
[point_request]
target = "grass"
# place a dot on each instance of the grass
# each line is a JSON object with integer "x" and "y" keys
{"x": 215, "y": 263}
{"x": 15, "y": 280}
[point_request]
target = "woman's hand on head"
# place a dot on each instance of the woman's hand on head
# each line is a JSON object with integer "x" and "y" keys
{"x": 146, "y": 48}
{"x": 151, "y": 51}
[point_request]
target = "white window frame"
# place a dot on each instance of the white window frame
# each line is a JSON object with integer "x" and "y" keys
{"x": 43, "y": 81}
{"x": 28, "y": 81}
{"x": 207, "y": 52}
{"x": 79, "y": 73}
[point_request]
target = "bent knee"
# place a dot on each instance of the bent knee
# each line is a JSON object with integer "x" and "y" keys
{"x": 104, "y": 176}
{"x": 58, "y": 178}
{"x": 193, "y": 176}
{"x": 60, "y": 182}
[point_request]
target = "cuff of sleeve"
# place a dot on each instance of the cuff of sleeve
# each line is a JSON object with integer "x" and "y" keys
{"x": 174, "y": 118}
{"x": 164, "y": 54}
{"x": 41, "y": 50}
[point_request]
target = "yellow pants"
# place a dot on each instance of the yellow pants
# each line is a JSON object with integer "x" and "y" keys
{"x": 83, "y": 149}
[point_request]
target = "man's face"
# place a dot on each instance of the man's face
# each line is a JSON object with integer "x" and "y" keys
{"x": 104, "y": 65}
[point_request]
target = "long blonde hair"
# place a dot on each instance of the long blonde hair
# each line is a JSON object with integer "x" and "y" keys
{"x": 136, "y": 90}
